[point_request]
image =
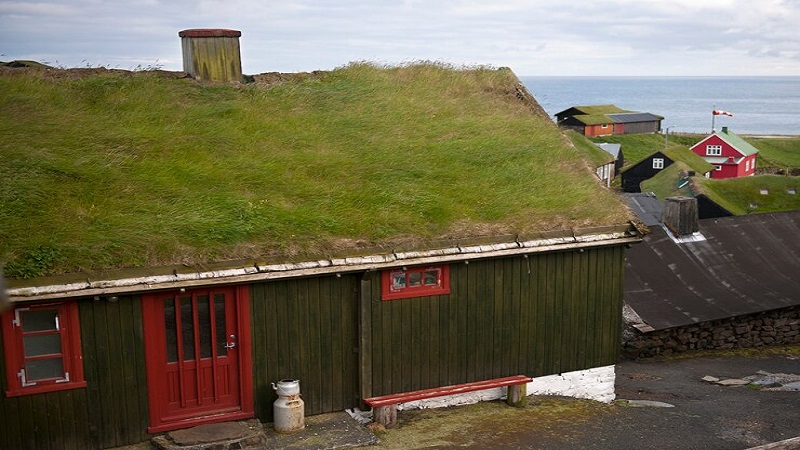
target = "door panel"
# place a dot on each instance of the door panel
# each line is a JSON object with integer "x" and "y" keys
{"x": 197, "y": 353}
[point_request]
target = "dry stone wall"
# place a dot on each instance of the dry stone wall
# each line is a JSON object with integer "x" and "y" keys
{"x": 780, "y": 327}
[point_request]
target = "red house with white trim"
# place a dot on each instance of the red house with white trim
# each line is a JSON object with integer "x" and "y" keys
{"x": 730, "y": 155}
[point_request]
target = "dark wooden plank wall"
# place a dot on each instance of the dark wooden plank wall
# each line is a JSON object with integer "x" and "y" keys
{"x": 540, "y": 315}
{"x": 306, "y": 329}
{"x": 111, "y": 411}
{"x": 642, "y": 127}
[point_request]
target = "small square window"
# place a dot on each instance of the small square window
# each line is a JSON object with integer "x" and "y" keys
{"x": 42, "y": 348}
{"x": 717, "y": 167}
{"x": 414, "y": 279}
{"x": 791, "y": 191}
{"x": 764, "y": 191}
{"x": 415, "y": 282}
{"x": 713, "y": 150}
{"x": 658, "y": 163}
{"x": 398, "y": 280}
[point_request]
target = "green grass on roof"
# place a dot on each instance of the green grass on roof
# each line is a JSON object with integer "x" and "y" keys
{"x": 596, "y": 155}
{"x": 593, "y": 119}
{"x": 670, "y": 182}
{"x": 110, "y": 169}
{"x": 601, "y": 109}
{"x": 637, "y": 147}
{"x": 744, "y": 195}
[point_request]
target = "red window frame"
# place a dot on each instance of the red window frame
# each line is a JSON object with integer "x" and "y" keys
{"x": 66, "y": 328}
{"x": 411, "y": 282}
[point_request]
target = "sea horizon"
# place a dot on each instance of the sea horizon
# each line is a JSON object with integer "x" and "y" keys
{"x": 761, "y": 105}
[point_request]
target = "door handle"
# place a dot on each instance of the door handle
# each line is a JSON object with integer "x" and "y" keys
{"x": 231, "y": 345}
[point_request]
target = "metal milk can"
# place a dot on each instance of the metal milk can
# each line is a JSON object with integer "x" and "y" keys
{"x": 289, "y": 408}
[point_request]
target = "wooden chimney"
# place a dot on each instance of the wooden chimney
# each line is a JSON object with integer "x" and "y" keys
{"x": 680, "y": 215}
{"x": 212, "y": 55}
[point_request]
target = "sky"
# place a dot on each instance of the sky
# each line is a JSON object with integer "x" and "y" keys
{"x": 532, "y": 37}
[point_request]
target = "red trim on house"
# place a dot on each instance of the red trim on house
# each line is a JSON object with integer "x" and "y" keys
{"x": 411, "y": 282}
{"x": 71, "y": 352}
{"x": 167, "y": 416}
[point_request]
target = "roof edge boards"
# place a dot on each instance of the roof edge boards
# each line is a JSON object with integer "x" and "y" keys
{"x": 258, "y": 272}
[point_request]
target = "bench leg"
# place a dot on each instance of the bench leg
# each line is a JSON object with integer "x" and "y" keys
{"x": 386, "y": 415}
{"x": 517, "y": 395}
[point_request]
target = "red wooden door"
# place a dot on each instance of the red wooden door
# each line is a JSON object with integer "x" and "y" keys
{"x": 197, "y": 353}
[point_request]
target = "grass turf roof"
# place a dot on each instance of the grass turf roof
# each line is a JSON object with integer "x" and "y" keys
{"x": 596, "y": 155}
{"x": 744, "y": 195}
{"x": 601, "y": 109}
{"x": 112, "y": 169}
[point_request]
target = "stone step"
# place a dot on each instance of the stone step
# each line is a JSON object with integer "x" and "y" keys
{"x": 239, "y": 435}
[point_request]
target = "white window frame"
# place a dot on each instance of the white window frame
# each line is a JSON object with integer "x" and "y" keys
{"x": 717, "y": 167}
{"x": 713, "y": 150}
{"x": 658, "y": 163}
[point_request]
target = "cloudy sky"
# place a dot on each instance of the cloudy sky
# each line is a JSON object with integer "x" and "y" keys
{"x": 533, "y": 37}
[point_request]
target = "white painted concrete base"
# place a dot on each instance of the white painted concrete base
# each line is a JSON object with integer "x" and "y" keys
{"x": 593, "y": 384}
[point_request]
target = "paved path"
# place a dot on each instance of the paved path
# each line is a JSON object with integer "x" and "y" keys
{"x": 687, "y": 412}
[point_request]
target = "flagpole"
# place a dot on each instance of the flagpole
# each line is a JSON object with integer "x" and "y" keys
{"x": 713, "y": 116}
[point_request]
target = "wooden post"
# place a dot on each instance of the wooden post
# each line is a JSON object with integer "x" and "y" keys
{"x": 365, "y": 337}
{"x": 386, "y": 415}
{"x": 517, "y": 395}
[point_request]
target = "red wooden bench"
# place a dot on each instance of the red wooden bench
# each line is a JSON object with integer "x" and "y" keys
{"x": 385, "y": 406}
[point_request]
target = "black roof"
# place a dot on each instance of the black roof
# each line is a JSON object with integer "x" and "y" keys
{"x": 646, "y": 206}
{"x": 745, "y": 265}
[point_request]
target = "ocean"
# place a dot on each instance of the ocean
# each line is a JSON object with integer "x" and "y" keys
{"x": 760, "y": 105}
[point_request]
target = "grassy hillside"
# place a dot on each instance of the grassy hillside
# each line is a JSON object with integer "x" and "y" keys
{"x": 111, "y": 169}
{"x": 778, "y": 153}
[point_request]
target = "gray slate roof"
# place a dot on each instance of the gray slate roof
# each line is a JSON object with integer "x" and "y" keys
{"x": 634, "y": 117}
{"x": 612, "y": 149}
{"x": 747, "y": 264}
{"x": 646, "y": 206}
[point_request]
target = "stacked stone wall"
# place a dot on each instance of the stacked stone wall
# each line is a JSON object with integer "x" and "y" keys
{"x": 780, "y": 327}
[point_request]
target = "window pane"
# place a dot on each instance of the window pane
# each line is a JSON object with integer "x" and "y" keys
{"x": 219, "y": 316}
{"x": 171, "y": 330}
{"x": 39, "y": 320}
{"x": 431, "y": 277}
{"x": 187, "y": 329}
{"x": 43, "y": 369}
{"x": 415, "y": 279}
{"x": 398, "y": 280}
{"x": 45, "y": 344}
{"x": 204, "y": 321}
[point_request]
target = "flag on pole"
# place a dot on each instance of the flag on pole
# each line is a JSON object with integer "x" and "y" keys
{"x": 719, "y": 112}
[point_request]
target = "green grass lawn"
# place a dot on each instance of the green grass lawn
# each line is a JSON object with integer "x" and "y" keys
{"x": 112, "y": 169}
{"x": 778, "y": 153}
